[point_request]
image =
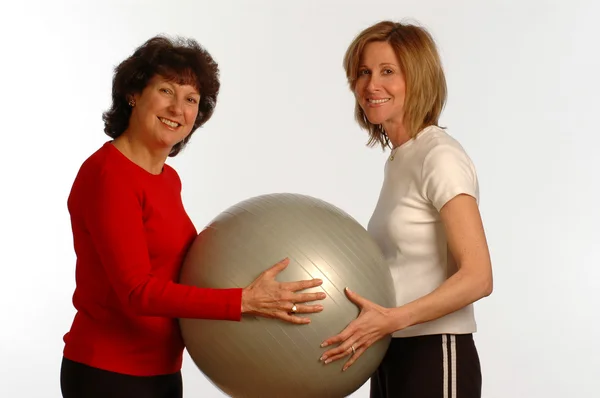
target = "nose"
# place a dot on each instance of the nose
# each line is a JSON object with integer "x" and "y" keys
{"x": 373, "y": 83}
{"x": 176, "y": 106}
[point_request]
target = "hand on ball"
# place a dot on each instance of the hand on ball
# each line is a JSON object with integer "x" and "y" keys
{"x": 372, "y": 324}
{"x": 269, "y": 298}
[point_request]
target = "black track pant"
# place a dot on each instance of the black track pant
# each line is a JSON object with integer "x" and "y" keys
{"x": 81, "y": 381}
{"x": 436, "y": 366}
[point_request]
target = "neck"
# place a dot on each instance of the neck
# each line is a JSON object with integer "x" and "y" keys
{"x": 396, "y": 132}
{"x": 138, "y": 152}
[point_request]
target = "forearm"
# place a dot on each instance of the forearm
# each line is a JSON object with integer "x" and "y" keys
{"x": 168, "y": 299}
{"x": 458, "y": 291}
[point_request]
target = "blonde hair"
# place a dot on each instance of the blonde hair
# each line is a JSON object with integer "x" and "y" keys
{"x": 423, "y": 73}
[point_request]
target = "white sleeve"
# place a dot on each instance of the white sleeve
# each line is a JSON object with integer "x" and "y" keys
{"x": 447, "y": 172}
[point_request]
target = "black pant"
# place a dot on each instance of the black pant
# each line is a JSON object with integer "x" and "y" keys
{"x": 81, "y": 381}
{"x": 436, "y": 366}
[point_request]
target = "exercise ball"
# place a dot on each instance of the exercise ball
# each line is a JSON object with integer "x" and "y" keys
{"x": 260, "y": 357}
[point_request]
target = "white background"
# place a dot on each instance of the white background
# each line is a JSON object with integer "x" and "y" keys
{"x": 523, "y": 90}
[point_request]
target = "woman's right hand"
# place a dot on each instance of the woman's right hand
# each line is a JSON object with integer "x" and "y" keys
{"x": 269, "y": 298}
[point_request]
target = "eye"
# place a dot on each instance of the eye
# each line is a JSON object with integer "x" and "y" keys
{"x": 165, "y": 90}
{"x": 388, "y": 71}
{"x": 193, "y": 100}
{"x": 362, "y": 72}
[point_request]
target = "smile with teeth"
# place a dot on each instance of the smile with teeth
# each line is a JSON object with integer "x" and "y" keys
{"x": 168, "y": 122}
{"x": 378, "y": 101}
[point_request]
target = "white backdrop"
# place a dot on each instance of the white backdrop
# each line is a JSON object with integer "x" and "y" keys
{"x": 523, "y": 88}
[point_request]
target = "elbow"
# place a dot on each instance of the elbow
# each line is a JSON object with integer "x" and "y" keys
{"x": 487, "y": 288}
{"x": 134, "y": 306}
{"x": 142, "y": 299}
{"x": 481, "y": 281}
{"x": 486, "y": 285}
{"x": 138, "y": 310}
{"x": 137, "y": 303}
{"x": 481, "y": 284}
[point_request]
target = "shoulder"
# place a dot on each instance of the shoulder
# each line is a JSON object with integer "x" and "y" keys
{"x": 101, "y": 165}
{"x": 436, "y": 141}
{"x": 172, "y": 177}
{"x": 447, "y": 169}
{"x": 170, "y": 172}
{"x": 102, "y": 175}
{"x": 440, "y": 150}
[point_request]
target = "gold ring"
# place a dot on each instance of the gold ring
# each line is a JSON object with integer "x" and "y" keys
{"x": 294, "y": 309}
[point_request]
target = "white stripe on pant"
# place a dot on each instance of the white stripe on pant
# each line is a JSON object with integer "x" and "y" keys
{"x": 449, "y": 364}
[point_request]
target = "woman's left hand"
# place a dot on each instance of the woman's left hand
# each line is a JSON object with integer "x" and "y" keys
{"x": 373, "y": 323}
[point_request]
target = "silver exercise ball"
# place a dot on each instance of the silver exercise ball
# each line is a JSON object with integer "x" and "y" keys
{"x": 261, "y": 357}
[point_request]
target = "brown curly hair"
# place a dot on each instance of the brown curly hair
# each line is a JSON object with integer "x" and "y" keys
{"x": 181, "y": 60}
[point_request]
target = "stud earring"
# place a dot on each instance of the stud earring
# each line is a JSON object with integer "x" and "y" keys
{"x": 132, "y": 102}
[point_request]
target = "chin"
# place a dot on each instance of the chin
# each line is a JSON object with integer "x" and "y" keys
{"x": 163, "y": 144}
{"x": 375, "y": 119}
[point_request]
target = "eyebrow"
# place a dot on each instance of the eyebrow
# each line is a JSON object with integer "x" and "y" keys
{"x": 381, "y": 64}
{"x": 172, "y": 84}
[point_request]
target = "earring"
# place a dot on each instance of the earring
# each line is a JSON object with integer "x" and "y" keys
{"x": 132, "y": 102}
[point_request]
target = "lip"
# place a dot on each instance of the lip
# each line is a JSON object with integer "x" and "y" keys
{"x": 376, "y": 105}
{"x": 171, "y": 120}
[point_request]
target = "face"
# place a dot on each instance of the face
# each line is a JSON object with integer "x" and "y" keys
{"x": 380, "y": 88}
{"x": 165, "y": 112}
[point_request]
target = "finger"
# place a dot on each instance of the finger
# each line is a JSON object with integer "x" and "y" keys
{"x": 360, "y": 346}
{"x": 355, "y": 356}
{"x": 345, "y": 347}
{"x": 355, "y": 298}
{"x": 302, "y": 285}
{"x": 306, "y": 297}
{"x": 307, "y": 309}
{"x": 338, "y": 339}
{"x": 277, "y": 268}
{"x": 338, "y": 354}
{"x": 298, "y": 320}
{"x": 341, "y": 337}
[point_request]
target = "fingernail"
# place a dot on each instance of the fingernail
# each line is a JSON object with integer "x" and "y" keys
{"x": 324, "y": 344}
{"x": 327, "y": 361}
{"x": 322, "y": 358}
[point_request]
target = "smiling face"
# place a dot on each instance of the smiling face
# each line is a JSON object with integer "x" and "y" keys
{"x": 164, "y": 113}
{"x": 380, "y": 88}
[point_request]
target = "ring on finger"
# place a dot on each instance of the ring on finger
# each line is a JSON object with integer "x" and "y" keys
{"x": 294, "y": 309}
{"x": 353, "y": 350}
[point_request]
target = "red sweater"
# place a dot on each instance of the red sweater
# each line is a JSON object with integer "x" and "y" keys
{"x": 130, "y": 234}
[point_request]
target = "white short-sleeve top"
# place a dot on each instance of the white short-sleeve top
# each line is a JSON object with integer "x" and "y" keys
{"x": 420, "y": 177}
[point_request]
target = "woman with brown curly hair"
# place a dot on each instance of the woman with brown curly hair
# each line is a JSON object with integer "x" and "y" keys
{"x": 131, "y": 233}
{"x": 426, "y": 221}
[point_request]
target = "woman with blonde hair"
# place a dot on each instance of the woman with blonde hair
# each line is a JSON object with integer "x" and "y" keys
{"x": 427, "y": 223}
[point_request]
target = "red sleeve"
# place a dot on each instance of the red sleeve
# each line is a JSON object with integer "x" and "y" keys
{"x": 113, "y": 217}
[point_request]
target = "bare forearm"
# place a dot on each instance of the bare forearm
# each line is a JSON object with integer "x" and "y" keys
{"x": 460, "y": 290}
